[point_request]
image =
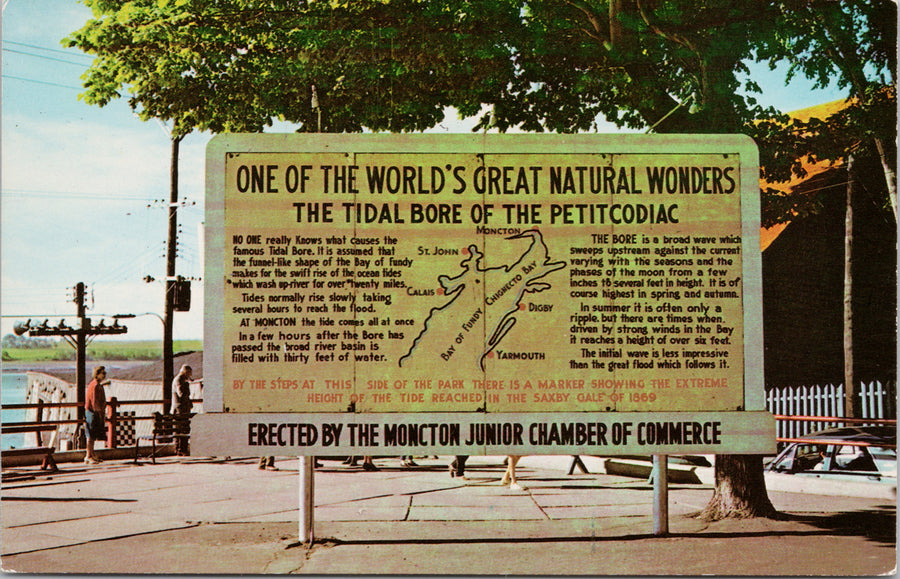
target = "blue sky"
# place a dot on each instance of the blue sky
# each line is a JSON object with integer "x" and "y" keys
{"x": 85, "y": 189}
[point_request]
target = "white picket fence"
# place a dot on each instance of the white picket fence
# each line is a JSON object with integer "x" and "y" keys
{"x": 879, "y": 401}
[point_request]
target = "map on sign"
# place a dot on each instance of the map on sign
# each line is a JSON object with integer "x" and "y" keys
{"x": 499, "y": 289}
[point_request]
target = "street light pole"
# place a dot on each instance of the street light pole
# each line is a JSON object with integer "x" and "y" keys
{"x": 167, "y": 384}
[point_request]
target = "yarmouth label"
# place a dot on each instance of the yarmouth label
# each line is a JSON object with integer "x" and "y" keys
{"x": 537, "y": 281}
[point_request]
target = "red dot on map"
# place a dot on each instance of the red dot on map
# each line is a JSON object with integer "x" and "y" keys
{"x": 465, "y": 251}
{"x": 490, "y": 354}
{"x": 440, "y": 291}
{"x": 521, "y": 306}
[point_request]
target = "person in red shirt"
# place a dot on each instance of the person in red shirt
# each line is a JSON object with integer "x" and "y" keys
{"x": 95, "y": 412}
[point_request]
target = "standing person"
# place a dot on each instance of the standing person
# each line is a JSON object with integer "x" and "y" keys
{"x": 458, "y": 466}
{"x": 181, "y": 407}
{"x": 95, "y": 412}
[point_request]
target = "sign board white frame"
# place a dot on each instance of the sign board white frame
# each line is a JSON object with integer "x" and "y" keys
{"x": 749, "y": 430}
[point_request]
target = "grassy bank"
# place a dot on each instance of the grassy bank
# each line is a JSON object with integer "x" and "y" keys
{"x": 106, "y": 350}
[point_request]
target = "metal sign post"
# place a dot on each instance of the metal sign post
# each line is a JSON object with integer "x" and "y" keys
{"x": 307, "y": 499}
{"x": 660, "y": 494}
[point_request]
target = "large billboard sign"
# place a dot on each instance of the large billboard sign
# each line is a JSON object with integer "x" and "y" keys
{"x": 466, "y": 283}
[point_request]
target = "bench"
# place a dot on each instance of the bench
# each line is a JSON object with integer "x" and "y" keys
{"x": 45, "y": 452}
{"x": 166, "y": 428}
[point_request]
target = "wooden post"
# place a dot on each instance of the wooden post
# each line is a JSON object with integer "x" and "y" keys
{"x": 113, "y": 406}
{"x": 39, "y": 419}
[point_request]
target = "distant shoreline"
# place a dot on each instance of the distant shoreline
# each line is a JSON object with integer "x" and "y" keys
{"x": 14, "y": 367}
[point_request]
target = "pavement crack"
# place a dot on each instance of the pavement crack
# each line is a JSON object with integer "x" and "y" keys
{"x": 409, "y": 501}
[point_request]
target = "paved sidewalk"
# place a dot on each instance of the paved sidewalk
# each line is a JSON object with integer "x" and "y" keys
{"x": 196, "y": 515}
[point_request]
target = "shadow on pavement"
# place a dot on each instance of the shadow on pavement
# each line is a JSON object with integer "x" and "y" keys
{"x": 567, "y": 538}
{"x": 879, "y": 524}
{"x": 69, "y": 500}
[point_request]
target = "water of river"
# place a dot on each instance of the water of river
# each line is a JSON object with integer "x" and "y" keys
{"x": 13, "y": 392}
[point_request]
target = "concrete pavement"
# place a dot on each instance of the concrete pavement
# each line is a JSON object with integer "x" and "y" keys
{"x": 202, "y": 515}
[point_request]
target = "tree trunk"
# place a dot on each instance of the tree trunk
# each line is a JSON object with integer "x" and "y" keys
{"x": 740, "y": 491}
{"x": 740, "y": 487}
{"x": 851, "y": 388}
{"x": 890, "y": 177}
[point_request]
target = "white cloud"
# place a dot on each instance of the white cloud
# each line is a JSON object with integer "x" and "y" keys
{"x": 84, "y": 157}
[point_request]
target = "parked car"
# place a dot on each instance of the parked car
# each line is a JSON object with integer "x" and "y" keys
{"x": 864, "y": 453}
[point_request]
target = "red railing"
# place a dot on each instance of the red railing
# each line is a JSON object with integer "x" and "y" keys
{"x": 860, "y": 421}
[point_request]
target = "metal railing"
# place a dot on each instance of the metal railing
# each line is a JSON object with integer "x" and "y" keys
{"x": 782, "y": 440}
{"x": 41, "y": 425}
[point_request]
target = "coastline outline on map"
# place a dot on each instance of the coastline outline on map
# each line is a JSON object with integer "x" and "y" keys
{"x": 503, "y": 287}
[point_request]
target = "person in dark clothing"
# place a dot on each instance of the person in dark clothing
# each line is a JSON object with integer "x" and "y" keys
{"x": 458, "y": 466}
{"x": 181, "y": 407}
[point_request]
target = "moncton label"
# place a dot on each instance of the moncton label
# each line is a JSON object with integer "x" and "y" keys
{"x": 532, "y": 276}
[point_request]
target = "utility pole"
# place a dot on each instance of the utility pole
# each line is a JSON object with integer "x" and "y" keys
{"x": 76, "y": 337}
{"x": 81, "y": 349}
{"x": 171, "y": 251}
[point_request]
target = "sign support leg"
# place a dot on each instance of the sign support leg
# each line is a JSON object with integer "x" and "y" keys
{"x": 307, "y": 499}
{"x": 660, "y": 494}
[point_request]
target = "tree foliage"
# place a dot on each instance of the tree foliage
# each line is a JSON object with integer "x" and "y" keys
{"x": 27, "y": 343}
{"x": 853, "y": 44}
{"x": 538, "y": 65}
{"x": 788, "y": 146}
{"x": 232, "y": 65}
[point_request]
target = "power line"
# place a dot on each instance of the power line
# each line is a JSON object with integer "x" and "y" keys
{"x": 40, "y": 82}
{"x": 132, "y": 267}
{"x": 74, "y": 195}
{"x": 36, "y": 47}
{"x": 54, "y": 59}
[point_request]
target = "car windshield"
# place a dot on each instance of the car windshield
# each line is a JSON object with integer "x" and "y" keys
{"x": 849, "y": 457}
{"x": 885, "y": 459}
{"x": 837, "y": 458}
{"x": 800, "y": 457}
{"x": 845, "y": 451}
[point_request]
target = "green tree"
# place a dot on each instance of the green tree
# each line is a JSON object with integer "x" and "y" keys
{"x": 853, "y": 43}
{"x": 542, "y": 65}
{"x": 233, "y": 65}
